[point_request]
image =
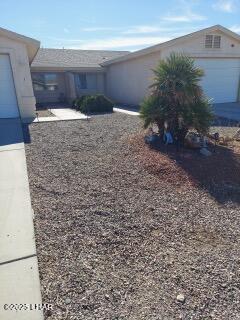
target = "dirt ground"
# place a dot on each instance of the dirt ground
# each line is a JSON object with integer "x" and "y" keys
{"x": 44, "y": 113}
{"x": 122, "y": 229}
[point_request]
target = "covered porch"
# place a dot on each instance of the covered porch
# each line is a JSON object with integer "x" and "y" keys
{"x": 62, "y": 87}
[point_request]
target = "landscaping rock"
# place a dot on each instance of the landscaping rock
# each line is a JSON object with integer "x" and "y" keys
{"x": 193, "y": 140}
{"x": 68, "y": 301}
{"x": 93, "y": 185}
{"x": 181, "y": 298}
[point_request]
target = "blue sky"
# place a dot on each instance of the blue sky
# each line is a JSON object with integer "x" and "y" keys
{"x": 114, "y": 24}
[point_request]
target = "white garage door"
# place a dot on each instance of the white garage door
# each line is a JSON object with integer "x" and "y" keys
{"x": 221, "y": 78}
{"x": 8, "y": 100}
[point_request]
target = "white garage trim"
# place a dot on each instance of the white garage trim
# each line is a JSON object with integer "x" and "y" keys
{"x": 221, "y": 80}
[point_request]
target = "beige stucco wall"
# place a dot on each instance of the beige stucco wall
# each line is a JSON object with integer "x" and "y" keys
{"x": 70, "y": 87}
{"x": 128, "y": 81}
{"x": 195, "y": 47}
{"x": 21, "y": 75}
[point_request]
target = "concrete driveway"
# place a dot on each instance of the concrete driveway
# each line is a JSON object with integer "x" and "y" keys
{"x": 227, "y": 110}
{"x": 19, "y": 277}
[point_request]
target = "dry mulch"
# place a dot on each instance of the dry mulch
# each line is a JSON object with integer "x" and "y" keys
{"x": 217, "y": 174}
{"x": 120, "y": 238}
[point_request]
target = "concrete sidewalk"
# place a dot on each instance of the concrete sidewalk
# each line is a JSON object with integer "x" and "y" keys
{"x": 62, "y": 114}
{"x": 130, "y": 112}
{"x": 68, "y": 114}
{"x": 19, "y": 279}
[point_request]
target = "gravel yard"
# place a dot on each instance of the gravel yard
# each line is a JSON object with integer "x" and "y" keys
{"x": 117, "y": 240}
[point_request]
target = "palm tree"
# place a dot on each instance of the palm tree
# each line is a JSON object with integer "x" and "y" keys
{"x": 177, "y": 98}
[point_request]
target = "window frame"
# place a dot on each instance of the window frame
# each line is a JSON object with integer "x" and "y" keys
{"x": 213, "y": 41}
{"x": 217, "y": 44}
{"x": 46, "y": 84}
{"x": 81, "y": 84}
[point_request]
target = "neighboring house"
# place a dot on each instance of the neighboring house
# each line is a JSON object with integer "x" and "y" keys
{"x": 216, "y": 50}
{"x": 61, "y": 75}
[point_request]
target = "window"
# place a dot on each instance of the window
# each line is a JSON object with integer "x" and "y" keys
{"x": 208, "y": 41}
{"x": 212, "y": 42}
{"x": 81, "y": 80}
{"x": 45, "y": 81}
{"x": 216, "y": 42}
{"x": 85, "y": 81}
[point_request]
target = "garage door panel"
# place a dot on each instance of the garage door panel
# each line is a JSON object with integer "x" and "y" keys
{"x": 221, "y": 78}
{"x": 8, "y": 100}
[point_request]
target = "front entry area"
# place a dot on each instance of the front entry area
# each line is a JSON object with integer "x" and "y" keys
{"x": 221, "y": 79}
{"x": 8, "y": 99}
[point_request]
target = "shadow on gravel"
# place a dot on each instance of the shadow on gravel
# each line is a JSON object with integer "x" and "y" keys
{"x": 218, "y": 174}
{"x": 26, "y": 133}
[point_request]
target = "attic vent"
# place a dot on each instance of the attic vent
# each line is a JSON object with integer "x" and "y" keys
{"x": 212, "y": 41}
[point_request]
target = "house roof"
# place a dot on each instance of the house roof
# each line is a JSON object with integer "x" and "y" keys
{"x": 71, "y": 59}
{"x": 172, "y": 42}
{"x": 32, "y": 45}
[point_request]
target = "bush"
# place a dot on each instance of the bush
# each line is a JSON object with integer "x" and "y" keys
{"x": 153, "y": 111}
{"x": 177, "y": 99}
{"x": 78, "y": 101}
{"x": 94, "y": 104}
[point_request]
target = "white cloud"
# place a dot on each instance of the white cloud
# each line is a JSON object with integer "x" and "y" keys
{"x": 235, "y": 28}
{"x": 117, "y": 43}
{"x": 95, "y": 29}
{"x": 125, "y": 40}
{"x": 188, "y": 17}
{"x": 145, "y": 29}
{"x": 65, "y": 30}
{"x": 142, "y": 29}
{"x": 224, "y": 5}
{"x": 184, "y": 12}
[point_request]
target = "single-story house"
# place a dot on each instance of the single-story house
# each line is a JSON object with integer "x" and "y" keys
{"x": 63, "y": 74}
{"x": 60, "y": 75}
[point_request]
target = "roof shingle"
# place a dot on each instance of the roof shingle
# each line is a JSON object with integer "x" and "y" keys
{"x": 70, "y": 58}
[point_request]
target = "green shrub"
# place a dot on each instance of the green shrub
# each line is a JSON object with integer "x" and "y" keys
{"x": 94, "y": 104}
{"x": 177, "y": 98}
{"x": 74, "y": 103}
